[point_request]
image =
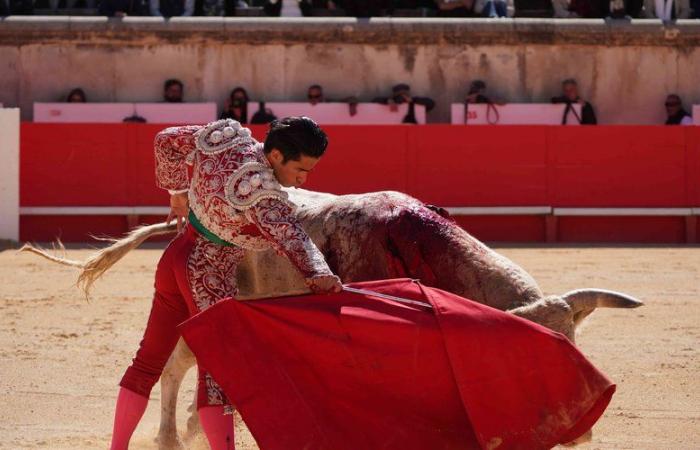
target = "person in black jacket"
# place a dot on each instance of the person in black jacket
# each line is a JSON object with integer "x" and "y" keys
{"x": 122, "y": 8}
{"x": 570, "y": 96}
{"x": 401, "y": 93}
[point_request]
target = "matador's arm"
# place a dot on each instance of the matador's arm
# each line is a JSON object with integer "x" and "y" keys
{"x": 277, "y": 222}
{"x": 174, "y": 148}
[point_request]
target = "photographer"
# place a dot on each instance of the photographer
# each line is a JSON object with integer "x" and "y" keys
{"x": 570, "y": 96}
{"x": 477, "y": 94}
{"x": 401, "y": 93}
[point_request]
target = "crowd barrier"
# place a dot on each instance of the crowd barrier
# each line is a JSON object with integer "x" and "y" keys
{"x": 514, "y": 114}
{"x": 119, "y": 112}
{"x": 505, "y": 183}
{"x": 334, "y": 113}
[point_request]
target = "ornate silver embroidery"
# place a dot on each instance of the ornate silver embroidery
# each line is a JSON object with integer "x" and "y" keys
{"x": 221, "y": 135}
{"x": 251, "y": 183}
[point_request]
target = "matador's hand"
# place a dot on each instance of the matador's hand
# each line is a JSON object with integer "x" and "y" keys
{"x": 179, "y": 208}
{"x": 324, "y": 284}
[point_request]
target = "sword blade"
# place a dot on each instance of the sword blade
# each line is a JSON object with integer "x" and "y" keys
{"x": 387, "y": 297}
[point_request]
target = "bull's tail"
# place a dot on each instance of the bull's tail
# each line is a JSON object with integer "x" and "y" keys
{"x": 99, "y": 262}
{"x": 585, "y": 301}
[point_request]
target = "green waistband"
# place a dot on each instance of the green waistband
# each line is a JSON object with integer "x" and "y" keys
{"x": 206, "y": 233}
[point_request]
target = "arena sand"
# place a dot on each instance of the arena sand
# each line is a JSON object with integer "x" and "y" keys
{"x": 62, "y": 357}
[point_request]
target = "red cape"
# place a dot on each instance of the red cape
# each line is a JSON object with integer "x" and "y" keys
{"x": 356, "y": 372}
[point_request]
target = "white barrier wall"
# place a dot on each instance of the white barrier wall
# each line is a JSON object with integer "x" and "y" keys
{"x": 175, "y": 113}
{"x": 339, "y": 113}
{"x": 9, "y": 173}
{"x": 513, "y": 114}
{"x": 696, "y": 114}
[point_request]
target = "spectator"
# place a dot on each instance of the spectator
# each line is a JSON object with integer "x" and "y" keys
{"x": 173, "y": 90}
{"x": 17, "y": 7}
{"x": 570, "y": 96}
{"x": 562, "y": 9}
{"x": 494, "y": 8}
{"x": 77, "y": 95}
{"x": 365, "y": 8}
{"x": 171, "y": 8}
{"x": 675, "y": 112}
{"x": 236, "y": 106}
{"x": 667, "y": 10}
{"x": 308, "y": 6}
{"x": 589, "y": 9}
{"x": 476, "y": 93}
{"x": 401, "y": 93}
{"x": 455, "y": 8}
{"x": 69, "y": 5}
{"x": 625, "y": 9}
{"x": 122, "y": 8}
{"x": 263, "y": 115}
{"x": 315, "y": 96}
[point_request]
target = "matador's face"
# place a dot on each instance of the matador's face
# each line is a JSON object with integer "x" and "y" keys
{"x": 292, "y": 173}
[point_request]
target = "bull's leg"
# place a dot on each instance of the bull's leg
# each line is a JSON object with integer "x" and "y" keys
{"x": 180, "y": 361}
{"x": 193, "y": 425}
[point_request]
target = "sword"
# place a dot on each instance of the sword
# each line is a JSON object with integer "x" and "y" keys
{"x": 299, "y": 292}
{"x": 386, "y": 296}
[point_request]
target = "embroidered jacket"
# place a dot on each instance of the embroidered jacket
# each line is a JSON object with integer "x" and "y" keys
{"x": 233, "y": 191}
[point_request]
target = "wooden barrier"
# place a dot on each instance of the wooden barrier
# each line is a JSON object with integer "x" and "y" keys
{"x": 505, "y": 183}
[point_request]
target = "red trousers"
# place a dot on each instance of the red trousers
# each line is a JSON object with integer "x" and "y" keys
{"x": 192, "y": 275}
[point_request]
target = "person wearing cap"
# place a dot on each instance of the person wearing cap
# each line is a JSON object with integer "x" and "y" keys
{"x": 232, "y": 204}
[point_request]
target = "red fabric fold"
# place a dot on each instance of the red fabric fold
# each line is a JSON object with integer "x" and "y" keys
{"x": 351, "y": 371}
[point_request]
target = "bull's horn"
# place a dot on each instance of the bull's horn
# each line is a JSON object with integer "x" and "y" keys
{"x": 590, "y": 299}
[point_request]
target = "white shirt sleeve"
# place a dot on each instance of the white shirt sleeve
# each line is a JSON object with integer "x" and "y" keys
{"x": 687, "y": 120}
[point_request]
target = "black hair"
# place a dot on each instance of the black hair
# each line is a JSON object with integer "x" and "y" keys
{"x": 239, "y": 89}
{"x": 569, "y": 81}
{"x": 401, "y": 87}
{"x": 76, "y": 91}
{"x": 315, "y": 86}
{"x": 296, "y": 136}
{"x": 476, "y": 86}
{"x": 171, "y": 82}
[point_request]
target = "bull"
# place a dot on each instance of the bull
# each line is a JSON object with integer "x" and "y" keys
{"x": 367, "y": 237}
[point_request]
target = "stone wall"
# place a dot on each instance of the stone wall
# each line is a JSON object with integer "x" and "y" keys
{"x": 625, "y": 69}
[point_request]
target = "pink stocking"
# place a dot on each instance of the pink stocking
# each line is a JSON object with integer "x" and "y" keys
{"x": 128, "y": 413}
{"x": 218, "y": 427}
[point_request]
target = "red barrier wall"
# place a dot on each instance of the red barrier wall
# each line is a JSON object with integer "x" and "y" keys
{"x": 606, "y": 166}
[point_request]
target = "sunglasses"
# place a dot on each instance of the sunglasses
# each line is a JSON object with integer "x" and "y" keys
{"x": 314, "y": 97}
{"x": 668, "y": 104}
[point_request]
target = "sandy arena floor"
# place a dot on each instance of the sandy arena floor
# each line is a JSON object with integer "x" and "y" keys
{"x": 61, "y": 358}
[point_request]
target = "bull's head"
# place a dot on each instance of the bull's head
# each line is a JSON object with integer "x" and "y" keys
{"x": 564, "y": 313}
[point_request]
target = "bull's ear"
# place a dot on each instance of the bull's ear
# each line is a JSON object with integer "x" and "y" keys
{"x": 442, "y": 212}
